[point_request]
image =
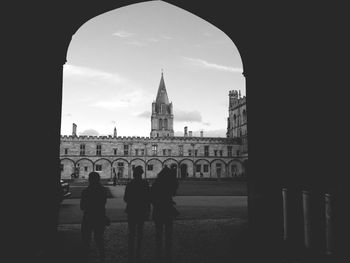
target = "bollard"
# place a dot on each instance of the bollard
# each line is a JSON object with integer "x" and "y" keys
{"x": 329, "y": 224}
{"x": 285, "y": 213}
{"x": 307, "y": 221}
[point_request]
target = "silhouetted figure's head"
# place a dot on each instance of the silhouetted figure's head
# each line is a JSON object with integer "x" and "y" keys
{"x": 138, "y": 171}
{"x": 94, "y": 178}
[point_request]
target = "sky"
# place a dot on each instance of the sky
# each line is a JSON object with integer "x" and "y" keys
{"x": 114, "y": 65}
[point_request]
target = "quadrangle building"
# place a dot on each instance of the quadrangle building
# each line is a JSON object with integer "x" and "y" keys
{"x": 192, "y": 156}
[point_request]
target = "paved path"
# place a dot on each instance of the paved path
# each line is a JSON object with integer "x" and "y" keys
{"x": 190, "y": 207}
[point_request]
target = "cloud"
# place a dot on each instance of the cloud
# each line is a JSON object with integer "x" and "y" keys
{"x": 123, "y": 34}
{"x": 126, "y": 100}
{"x": 136, "y": 43}
{"x": 190, "y": 116}
{"x": 205, "y": 64}
{"x": 152, "y": 39}
{"x": 78, "y": 71}
{"x": 145, "y": 114}
{"x": 90, "y": 132}
{"x": 167, "y": 37}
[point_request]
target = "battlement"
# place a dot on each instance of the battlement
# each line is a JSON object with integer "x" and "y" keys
{"x": 146, "y": 139}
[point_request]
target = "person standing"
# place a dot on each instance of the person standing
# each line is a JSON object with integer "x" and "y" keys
{"x": 138, "y": 206}
{"x": 93, "y": 201}
{"x": 164, "y": 211}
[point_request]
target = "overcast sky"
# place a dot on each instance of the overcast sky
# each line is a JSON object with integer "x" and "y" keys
{"x": 114, "y": 65}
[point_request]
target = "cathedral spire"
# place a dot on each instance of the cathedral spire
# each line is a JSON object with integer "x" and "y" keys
{"x": 162, "y": 96}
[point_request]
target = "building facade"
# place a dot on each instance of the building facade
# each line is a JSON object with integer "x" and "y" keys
{"x": 192, "y": 156}
{"x": 237, "y": 120}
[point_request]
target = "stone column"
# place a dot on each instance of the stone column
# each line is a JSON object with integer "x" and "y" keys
{"x": 285, "y": 213}
{"x": 329, "y": 224}
{"x": 307, "y": 219}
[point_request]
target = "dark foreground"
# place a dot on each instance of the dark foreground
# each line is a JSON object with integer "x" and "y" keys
{"x": 202, "y": 241}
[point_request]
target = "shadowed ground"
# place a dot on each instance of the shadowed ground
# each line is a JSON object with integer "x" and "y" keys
{"x": 202, "y": 241}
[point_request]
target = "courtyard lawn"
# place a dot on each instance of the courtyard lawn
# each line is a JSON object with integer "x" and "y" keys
{"x": 76, "y": 192}
{"x": 212, "y": 188}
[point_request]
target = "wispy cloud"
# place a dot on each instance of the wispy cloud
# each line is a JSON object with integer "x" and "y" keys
{"x": 167, "y": 37}
{"x": 145, "y": 114}
{"x": 123, "y": 34}
{"x": 126, "y": 100}
{"x": 137, "y": 43}
{"x": 206, "y": 64}
{"x": 152, "y": 39}
{"x": 78, "y": 71}
{"x": 190, "y": 116}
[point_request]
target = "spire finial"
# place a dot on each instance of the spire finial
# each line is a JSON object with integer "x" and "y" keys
{"x": 162, "y": 71}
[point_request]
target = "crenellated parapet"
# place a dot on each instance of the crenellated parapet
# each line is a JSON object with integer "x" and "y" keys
{"x": 125, "y": 139}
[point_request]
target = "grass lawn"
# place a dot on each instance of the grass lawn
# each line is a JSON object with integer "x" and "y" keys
{"x": 76, "y": 192}
{"x": 212, "y": 188}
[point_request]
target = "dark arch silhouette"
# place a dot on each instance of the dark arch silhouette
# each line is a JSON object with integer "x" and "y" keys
{"x": 119, "y": 160}
{"x": 63, "y": 159}
{"x": 212, "y": 161}
{"x": 154, "y": 159}
{"x": 202, "y": 160}
{"x": 185, "y": 159}
{"x": 172, "y": 159}
{"x": 103, "y": 159}
{"x": 136, "y": 160}
{"x": 83, "y": 159}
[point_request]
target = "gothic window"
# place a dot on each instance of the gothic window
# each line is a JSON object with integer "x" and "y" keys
{"x": 126, "y": 150}
{"x": 66, "y": 151}
{"x": 142, "y": 152}
{"x": 82, "y": 149}
{"x": 154, "y": 149}
{"x": 181, "y": 150}
{"x": 164, "y": 152}
{"x": 244, "y": 116}
{"x": 220, "y": 153}
{"x": 98, "y": 167}
{"x": 205, "y": 168}
{"x": 229, "y": 150}
{"x": 160, "y": 123}
{"x": 62, "y": 167}
{"x": 215, "y": 152}
{"x": 150, "y": 167}
{"x": 189, "y": 152}
{"x": 166, "y": 124}
{"x": 115, "y": 151}
{"x": 120, "y": 164}
{"x": 85, "y": 168}
{"x": 195, "y": 152}
{"x": 169, "y": 152}
{"x": 163, "y": 110}
{"x": 136, "y": 152}
{"x": 234, "y": 120}
{"x": 98, "y": 149}
{"x": 206, "y": 150}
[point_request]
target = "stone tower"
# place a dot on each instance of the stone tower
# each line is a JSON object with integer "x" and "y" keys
{"x": 162, "y": 113}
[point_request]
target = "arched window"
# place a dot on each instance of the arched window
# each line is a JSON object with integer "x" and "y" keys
{"x": 166, "y": 124}
{"x": 244, "y": 116}
{"x": 234, "y": 119}
{"x": 160, "y": 126}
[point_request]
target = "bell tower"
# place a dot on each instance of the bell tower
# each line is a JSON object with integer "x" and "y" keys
{"x": 162, "y": 113}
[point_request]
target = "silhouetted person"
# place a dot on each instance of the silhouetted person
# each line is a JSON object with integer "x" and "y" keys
{"x": 138, "y": 206}
{"x": 93, "y": 201}
{"x": 162, "y": 192}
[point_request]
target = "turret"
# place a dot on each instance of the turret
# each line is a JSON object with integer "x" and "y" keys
{"x": 74, "y": 131}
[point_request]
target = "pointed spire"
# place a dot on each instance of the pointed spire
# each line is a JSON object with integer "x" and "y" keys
{"x": 115, "y": 132}
{"x": 162, "y": 96}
